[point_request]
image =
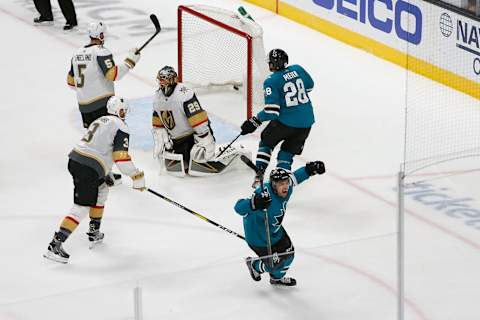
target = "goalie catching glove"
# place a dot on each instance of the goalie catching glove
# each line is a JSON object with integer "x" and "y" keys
{"x": 204, "y": 148}
{"x": 162, "y": 142}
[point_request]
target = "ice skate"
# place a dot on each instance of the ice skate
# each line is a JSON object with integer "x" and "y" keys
{"x": 253, "y": 273}
{"x": 95, "y": 238}
{"x": 285, "y": 281}
{"x": 55, "y": 251}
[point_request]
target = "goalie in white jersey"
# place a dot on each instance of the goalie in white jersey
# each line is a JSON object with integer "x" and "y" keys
{"x": 184, "y": 141}
{"x": 93, "y": 71}
{"x": 105, "y": 142}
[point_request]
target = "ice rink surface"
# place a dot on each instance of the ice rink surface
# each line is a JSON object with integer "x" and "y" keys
{"x": 342, "y": 224}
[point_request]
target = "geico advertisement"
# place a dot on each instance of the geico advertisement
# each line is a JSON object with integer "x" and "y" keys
{"x": 428, "y": 32}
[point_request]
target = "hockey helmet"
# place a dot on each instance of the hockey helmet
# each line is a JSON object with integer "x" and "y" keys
{"x": 117, "y": 106}
{"x": 277, "y": 175}
{"x": 96, "y": 30}
{"x": 277, "y": 59}
{"x": 167, "y": 78}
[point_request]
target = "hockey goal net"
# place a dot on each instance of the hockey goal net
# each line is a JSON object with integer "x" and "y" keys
{"x": 217, "y": 47}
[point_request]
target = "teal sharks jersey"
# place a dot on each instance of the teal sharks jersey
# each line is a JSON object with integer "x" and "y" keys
{"x": 254, "y": 220}
{"x": 286, "y": 97}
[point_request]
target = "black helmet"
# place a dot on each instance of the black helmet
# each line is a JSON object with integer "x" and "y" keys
{"x": 279, "y": 174}
{"x": 169, "y": 77}
{"x": 277, "y": 59}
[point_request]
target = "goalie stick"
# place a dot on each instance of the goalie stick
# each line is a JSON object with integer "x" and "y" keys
{"x": 221, "y": 152}
{"x": 158, "y": 28}
{"x": 249, "y": 163}
{"x": 198, "y": 215}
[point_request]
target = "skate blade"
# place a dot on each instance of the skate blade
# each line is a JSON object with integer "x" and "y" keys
{"x": 94, "y": 244}
{"x": 50, "y": 256}
{"x": 43, "y": 24}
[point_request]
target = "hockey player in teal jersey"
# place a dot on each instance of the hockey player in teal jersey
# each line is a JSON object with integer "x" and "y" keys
{"x": 273, "y": 198}
{"x": 289, "y": 110}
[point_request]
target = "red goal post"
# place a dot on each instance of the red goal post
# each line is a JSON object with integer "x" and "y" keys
{"x": 216, "y": 47}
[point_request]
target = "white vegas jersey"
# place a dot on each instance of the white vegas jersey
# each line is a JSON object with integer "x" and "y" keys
{"x": 93, "y": 71}
{"x": 105, "y": 142}
{"x": 180, "y": 113}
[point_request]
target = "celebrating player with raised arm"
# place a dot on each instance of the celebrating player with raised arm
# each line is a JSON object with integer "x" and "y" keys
{"x": 105, "y": 142}
{"x": 93, "y": 71}
{"x": 273, "y": 198}
{"x": 289, "y": 110}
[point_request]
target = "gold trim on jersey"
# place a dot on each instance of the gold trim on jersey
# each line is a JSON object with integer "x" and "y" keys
{"x": 130, "y": 63}
{"x": 81, "y": 103}
{"x": 96, "y": 212}
{"x": 70, "y": 80}
{"x": 112, "y": 73}
{"x": 198, "y": 119}
{"x": 121, "y": 156}
{"x": 157, "y": 122}
{"x": 69, "y": 223}
{"x": 91, "y": 156}
{"x": 167, "y": 119}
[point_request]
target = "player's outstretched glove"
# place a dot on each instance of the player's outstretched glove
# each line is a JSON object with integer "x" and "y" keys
{"x": 315, "y": 167}
{"x": 138, "y": 181}
{"x": 132, "y": 58}
{"x": 250, "y": 125}
{"x": 261, "y": 201}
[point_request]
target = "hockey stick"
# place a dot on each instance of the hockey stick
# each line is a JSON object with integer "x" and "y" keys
{"x": 196, "y": 214}
{"x": 221, "y": 152}
{"x": 249, "y": 163}
{"x": 157, "y": 31}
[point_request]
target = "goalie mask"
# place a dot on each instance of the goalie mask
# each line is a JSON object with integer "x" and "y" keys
{"x": 277, "y": 59}
{"x": 167, "y": 79}
{"x": 117, "y": 106}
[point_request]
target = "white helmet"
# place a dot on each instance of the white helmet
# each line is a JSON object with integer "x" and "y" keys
{"x": 117, "y": 106}
{"x": 97, "y": 30}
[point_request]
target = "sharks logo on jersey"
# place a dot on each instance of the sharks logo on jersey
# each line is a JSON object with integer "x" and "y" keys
{"x": 278, "y": 218}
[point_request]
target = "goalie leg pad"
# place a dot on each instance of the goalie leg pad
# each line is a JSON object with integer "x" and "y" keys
{"x": 218, "y": 165}
{"x": 174, "y": 164}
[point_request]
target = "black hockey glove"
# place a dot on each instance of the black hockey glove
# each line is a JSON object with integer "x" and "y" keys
{"x": 261, "y": 201}
{"x": 109, "y": 181}
{"x": 315, "y": 167}
{"x": 250, "y": 125}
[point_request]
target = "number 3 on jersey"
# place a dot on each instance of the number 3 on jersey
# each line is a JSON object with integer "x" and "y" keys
{"x": 295, "y": 93}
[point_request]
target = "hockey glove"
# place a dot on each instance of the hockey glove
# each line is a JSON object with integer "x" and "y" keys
{"x": 132, "y": 58}
{"x": 261, "y": 201}
{"x": 315, "y": 167}
{"x": 161, "y": 141}
{"x": 138, "y": 181}
{"x": 250, "y": 125}
{"x": 204, "y": 148}
{"x": 111, "y": 180}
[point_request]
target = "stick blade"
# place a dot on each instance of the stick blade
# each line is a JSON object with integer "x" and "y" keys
{"x": 155, "y": 22}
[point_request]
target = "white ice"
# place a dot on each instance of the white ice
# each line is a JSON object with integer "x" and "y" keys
{"x": 343, "y": 223}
